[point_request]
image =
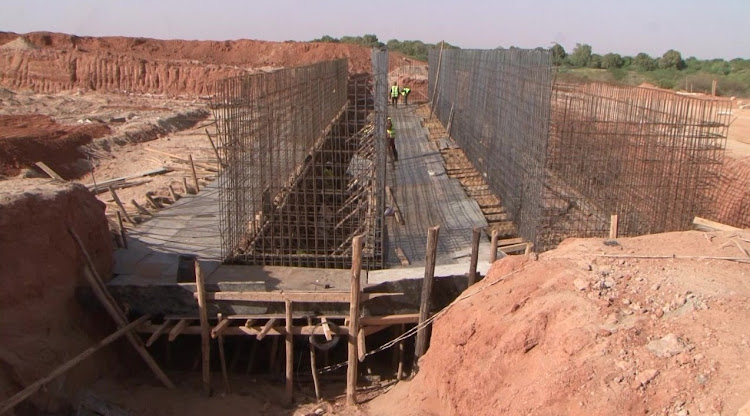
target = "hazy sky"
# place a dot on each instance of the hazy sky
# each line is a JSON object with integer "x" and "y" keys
{"x": 701, "y": 28}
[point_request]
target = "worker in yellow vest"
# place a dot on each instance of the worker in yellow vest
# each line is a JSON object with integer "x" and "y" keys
{"x": 394, "y": 94}
{"x": 405, "y": 92}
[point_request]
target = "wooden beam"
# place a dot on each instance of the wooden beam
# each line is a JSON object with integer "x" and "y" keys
{"x": 173, "y": 193}
{"x": 121, "y": 230}
{"x": 425, "y": 304}
{"x": 177, "y": 330}
{"x": 205, "y": 329}
{"x": 407, "y": 318}
{"x": 326, "y": 328}
{"x": 223, "y": 358}
{"x": 159, "y": 331}
{"x": 140, "y": 209}
{"x": 514, "y": 248}
{"x": 216, "y": 151}
{"x": 314, "y": 364}
{"x": 114, "y": 311}
{"x": 266, "y": 328}
{"x": 394, "y": 204}
{"x": 402, "y": 257}
{"x": 52, "y": 174}
{"x": 476, "y": 234}
{"x": 704, "y": 224}
{"x": 33, "y": 387}
{"x": 351, "y": 372}
{"x": 282, "y": 296}
{"x": 220, "y": 327}
{"x": 289, "y": 338}
{"x": 154, "y": 203}
{"x": 108, "y": 182}
{"x": 509, "y": 241}
{"x": 120, "y": 206}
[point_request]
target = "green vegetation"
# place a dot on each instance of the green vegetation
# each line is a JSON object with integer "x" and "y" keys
{"x": 668, "y": 71}
{"x": 413, "y": 48}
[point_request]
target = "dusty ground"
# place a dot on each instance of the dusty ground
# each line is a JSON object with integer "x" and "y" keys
{"x": 582, "y": 334}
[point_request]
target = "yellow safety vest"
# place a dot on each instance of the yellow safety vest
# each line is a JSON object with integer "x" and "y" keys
{"x": 394, "y": 90}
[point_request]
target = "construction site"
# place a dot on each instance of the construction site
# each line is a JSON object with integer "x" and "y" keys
{"x": 232, "y": 218}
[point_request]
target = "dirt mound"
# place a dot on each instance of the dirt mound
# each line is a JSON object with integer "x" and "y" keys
{"x": 581, "y": 334}
{"x": 41, "y": 324}
{"x": 173, "y": 67}
{"x": 20, "y": 44}
{"x": 26, "y": 139}
{"x": 733, "y": 193}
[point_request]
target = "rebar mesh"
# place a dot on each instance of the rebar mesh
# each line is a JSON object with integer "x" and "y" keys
{"x": 300, "y": 174}
{"x": 564, "y": 157}
{"x": 497, "y": 104}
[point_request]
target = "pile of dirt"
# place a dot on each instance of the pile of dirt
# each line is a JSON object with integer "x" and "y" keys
{"x": 172, "y": 67}
{"x": 579, "y": 333}
{"x": 30, "y": 138}
{"x": 41, "y": 323}
{"x": 20, "y": 44}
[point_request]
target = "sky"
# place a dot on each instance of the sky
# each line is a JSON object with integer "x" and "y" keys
{"x": 702, "y": 28}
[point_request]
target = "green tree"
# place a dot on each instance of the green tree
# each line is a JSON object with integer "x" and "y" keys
{"x": 581, "y": 56}
{"x": 595, "y": 61}
{"x": 644, "y": 62}
{"x": 326, "y": 39}
{"x": 558, "y": 54}
{"x": 671, "y": 59}
{"x": 612, "y": 60}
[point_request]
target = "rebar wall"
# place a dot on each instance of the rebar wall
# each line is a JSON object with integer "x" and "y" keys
{"x": 650, "y": 156}
{"x": 563, "y": 158}
{"x": 498, "y": 105}
{"x": 300, "y": 174}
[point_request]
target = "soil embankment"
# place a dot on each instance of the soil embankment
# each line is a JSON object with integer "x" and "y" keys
{"x": 577, "y": 333}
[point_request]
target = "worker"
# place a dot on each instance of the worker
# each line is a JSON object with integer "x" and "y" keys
{"x": 391, "y": 136}
{"x": 394, "y": 94}
{"x": 405, "y": 92}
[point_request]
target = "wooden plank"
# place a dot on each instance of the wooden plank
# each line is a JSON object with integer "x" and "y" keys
{"x": 154, "y": 203}
{"x": 476, "y": 235}
{"x": 289, "y": 338}
{"x": 52, "y": 174}
{"x": 140, "y": 209}
{"x": 281, "y": 296}
{"x": 108, "y": 182}
{"x": 276, "y": 330}
{"x": 509, "y": 241}
{"x": 177, "y": 330}
{"x": 114, "y": 311}
{"x": 394, "y": 204}
{"x": 195, "y": 177}
{"x": 266, "y": 328}
{"x": 33, "y": 387}
{"x": 351, "y": 372}
{"x": 205, "y": 329}
{"x": 708, "y": 225}
{"x": 425, "y": 301}
{"x": 407, "y": 318}
{"x": 326, "y": 329}
{"x": 173, "y": 193}
{"x": 361, "y": 346}
{"x": 159, "y": 331}
{"x": 120, "y": 206}
{"x": 213, "y": 146}
{"x": 120, "y": 185}
{"x": 514, "y": 248}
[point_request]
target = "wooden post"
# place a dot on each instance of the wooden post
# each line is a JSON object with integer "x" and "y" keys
{"x": 120, "y": 206}
{"x": 713, "y": 88}
{"x": 222, "y": 356}
{"x": 476, "y": 234}
{"x": 173, "y": 193}
{"x": 154, "y": 203}
{"x": 121, "y": 230}
{"x": 32, "y": 388}
{"x": 52, "y": 174}
{"x": 429, "y": 276}
{"x": 114, "y": 311}
{"x": 195, "y": 177}
{"x": 205, "y": 329}
{"x": 353, "y": 359}
{"x": 216, "y": 151}
{"x": 185, "y": 186}
{"x": 289, "y": 353}
{"x": 527, "y": 250}
{"x": 361, "y": 345}
{"x": 613, "y": 227}
{"x": 437, "y": 79}
{"x": 314, "y": 364}
{"x": 140, "y": 209}
{"x": 493, "y": 249}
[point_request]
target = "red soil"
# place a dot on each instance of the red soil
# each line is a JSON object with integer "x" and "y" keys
{"x": 26, "y": 139}
{"x": 578, "y": 334}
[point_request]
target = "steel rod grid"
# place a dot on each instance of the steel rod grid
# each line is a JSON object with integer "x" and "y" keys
{"x": 301, "y": 167}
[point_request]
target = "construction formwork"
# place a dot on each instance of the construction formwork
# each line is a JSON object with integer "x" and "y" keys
{"x": 564, "y": 157}
{"x": 302, "y": 168}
